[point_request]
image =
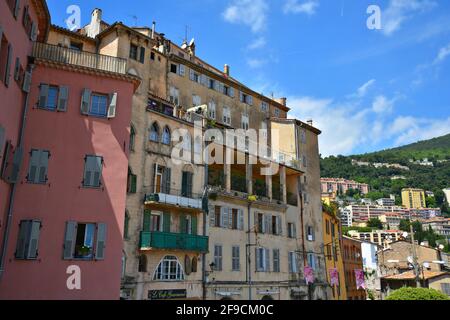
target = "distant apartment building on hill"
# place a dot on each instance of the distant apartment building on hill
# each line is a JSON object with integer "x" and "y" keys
{"x": 413, "y": 198}
{"x": 340, "y": 186}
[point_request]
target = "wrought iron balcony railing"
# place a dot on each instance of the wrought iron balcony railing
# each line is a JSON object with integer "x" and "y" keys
{"x": 79, "y": 58}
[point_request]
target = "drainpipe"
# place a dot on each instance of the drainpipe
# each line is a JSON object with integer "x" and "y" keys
{"x": 205, "y": 213}
{"x": 12, "y": 194}
{"x": 249, "y": 269}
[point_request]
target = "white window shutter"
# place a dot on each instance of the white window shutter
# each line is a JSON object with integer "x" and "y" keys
{"x": 69, "y": 240}
{"x": 231, "y": 92}
{"x": 26, "y": 82}
{"x": 266, "y": 260}
{"x": 112, "y": 105}
{"x": 34, "y": 31}
{"x": 100, "y": 241}
{"x": 43, "y": 95}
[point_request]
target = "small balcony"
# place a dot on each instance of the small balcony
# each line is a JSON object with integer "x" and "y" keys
{"x": 173, "y": 197}
{"x": 173, "y": 241}
{"x": 79, "y": 58}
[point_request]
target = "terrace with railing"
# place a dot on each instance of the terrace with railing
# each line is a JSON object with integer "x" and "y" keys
{"x": 79, "y": 58}
{"x": 181, "y": 198}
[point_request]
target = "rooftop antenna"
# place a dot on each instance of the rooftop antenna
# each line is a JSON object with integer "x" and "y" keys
{"x": 135, "y": 18}
{"x": 342, "y": 8}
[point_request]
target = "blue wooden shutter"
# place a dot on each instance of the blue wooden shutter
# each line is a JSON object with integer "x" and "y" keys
{"x": 26, "y": 82}
{"x": 88, "y": 175}
{"x": 63, "y": 99}
{"x": 257, "y": 259}
{"x": 181, "y": 70}
{"x": 100, "y": 242}
{"x": 33, "y": 241}
{"x": 98, "y": 165}
{"x": 43, "y": 95}
{"x": 267, "y": 260}
{"x": 85, "y": 101}
{"x": 69, "y": 239}
{"x": 8, "y": 65}
{"x": 212, "y": 216}
{"x": 240, "y": 219}
{"x": 112, "y": 105}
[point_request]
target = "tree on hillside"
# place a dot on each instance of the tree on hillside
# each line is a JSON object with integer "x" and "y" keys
{"x": 430, "y": 202}
{"x": 404, "y": 225}
{"x": 417, "y": 294}
{"x": 375, "y": 223}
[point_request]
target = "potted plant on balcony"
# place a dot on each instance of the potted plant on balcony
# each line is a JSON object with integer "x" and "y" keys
{"x": 83, "y": 251}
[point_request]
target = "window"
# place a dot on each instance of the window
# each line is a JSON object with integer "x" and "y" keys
{"x": 445, "y": 288}
{"x": 235, "y": 258}
{"x": 132, "y": 137}
{"x": 166, "y": 136}
{"x": 311, "y": 261}
{"x": 174, "y": 95}
{"x": 226, "y": 116}
{"x": 133, "y": 52}
{"x": 303, "y": 136}
{"x": 212, "y": 110}
{"x": 261, "y": 223}
{"x": 131, "y": 181}
{"x": 5, "y": 59}
{"x": 245, "y": 98}
{"x": 262, "y": 259}
{"x": 234, "y": 219}
{"x": 217, "y": 215}
{"x": 14, "y": 5}
{"x": 93, "y": 171}
{"x": 332, "y": 230}
{"x": 162, "y": 179}
{"x": 186, "y": 184}
{"x": 276, "y": 112}
{"x": 264, "y": 106}
{"x": 126, "y": 225}
{"x": 142, "y": 267}
{"x": 154, "y": 132}
{"x": 169, "y": 269}
{"x": 53, "y": 98}
{"x": 292, "y": 262}
{"x": 84, "y": 241}
{"x": 292, "y": 233}
{"x": 37, "y": 171}
{"x": 28, "y": 239}
{"x": 152, "y": 56}
{"x": 327, "y": 226}
{"x": 212, "y": 84}
{"x": 305, "y": 162}
{"x": 245, "y": 122}
{"x": 276, "y": 225}
{"x": 99, "y": 105}
{"x": 276, "y": 260}
{"x": 310, "y": 233}
{"x": 194, "y": 76}
{"x": 78, "y": 46}
{"x": 218, "y": 258}
{"x": 155, "y": 221}
{"x": 196, "y": 100}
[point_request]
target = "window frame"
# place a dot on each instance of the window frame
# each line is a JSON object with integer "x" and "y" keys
{"x": 107, "y": 101}
{"x": 164, "y": 273}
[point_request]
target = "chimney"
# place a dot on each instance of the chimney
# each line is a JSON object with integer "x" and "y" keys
{"x": 226, "y": 70}
{"x": 153, "y": 29}
{"x": 93, "y": 29}
{"x": 282, "y": 101}
{"x": 310, "y": 122}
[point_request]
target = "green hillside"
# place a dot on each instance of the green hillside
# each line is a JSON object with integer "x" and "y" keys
{"x": 433, "y": 179}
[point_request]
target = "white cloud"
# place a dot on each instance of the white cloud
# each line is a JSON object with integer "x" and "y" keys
{"x": 442, "y": 55}
{"x": 252, "y": 13}
{"x": 362, "y": 91}
{"x": 258, "y": 43}
{"x": 307, "y": 7}
{"x": 256, "y": 63}
{"x": 382, "y": 105}
{"x": 347, "y": 128}
{"x": 399, "y": 11}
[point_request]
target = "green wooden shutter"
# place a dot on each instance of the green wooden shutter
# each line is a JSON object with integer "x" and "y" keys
{"x": 85, "y": 101}
{"x": 182, "y": 223}
{"x": 112, "y": 105}
{"x": 8, "y": 65}
{"x": 43, "y": 95}
{"x": 69, "y": 240}
{"x": 147, "y": 220}
{"x": 100, "y": 244}
{"x": 126, "y": 225}
{"x": 194, "y": 225}
{"x": 34, "y": 239}
{"x": 24, "y": 227}
{"x": 184, "y": 184}
{"x": 133, "y": 185}
{"x": 166, "y": 222}
{"x": 142, "y": 55}
{"x": 63, "y": 99}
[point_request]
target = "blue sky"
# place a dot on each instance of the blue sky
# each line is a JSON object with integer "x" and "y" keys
{"x": 365, "y": 89}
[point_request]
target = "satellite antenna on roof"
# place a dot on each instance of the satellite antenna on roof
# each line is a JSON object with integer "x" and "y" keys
{"x": 135, "y": 18}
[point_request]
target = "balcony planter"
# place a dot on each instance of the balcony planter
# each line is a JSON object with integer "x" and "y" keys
{"x": 213, "y": 196}
{"x": 252, "y": 198}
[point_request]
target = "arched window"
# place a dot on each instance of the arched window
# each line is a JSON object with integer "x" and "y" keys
{"x": 142, "y": 263}
{"x": 194, "y": 264}
{"x": 166, "y": 136}
{"x": 212, "y": 110}
{"x": 154, "y": 132}
{"x": 132, "y": 137}
{"x": 169, "y": 269}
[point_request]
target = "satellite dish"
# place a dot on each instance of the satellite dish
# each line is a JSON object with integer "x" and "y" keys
{"x": 441, "y": 247}
{"x": 410, "y": 260}
{"x": 192, "y": 42}
{"x": 426, "y": 265}
{"x": 422, "y": 243}
{"x": 405, "y": 234}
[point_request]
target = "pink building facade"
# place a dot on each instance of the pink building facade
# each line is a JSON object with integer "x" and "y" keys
{"x": 67, "y": 213}
{"x": 340, "y": 186}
